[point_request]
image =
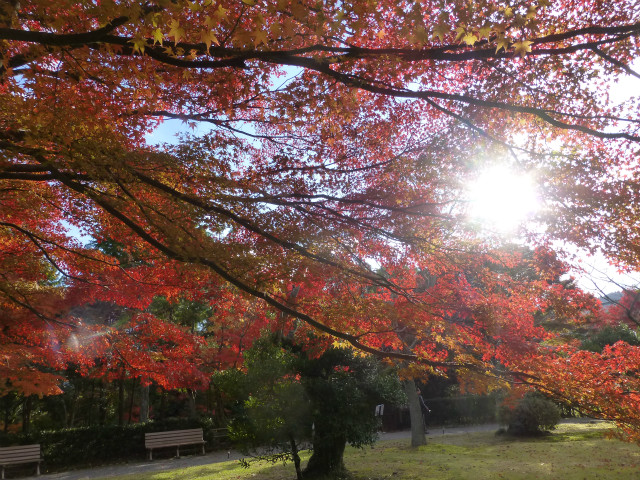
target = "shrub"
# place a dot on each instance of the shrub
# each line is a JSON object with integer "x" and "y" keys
{"x": 532, "y": 415}
{"x": 610, "y": 335}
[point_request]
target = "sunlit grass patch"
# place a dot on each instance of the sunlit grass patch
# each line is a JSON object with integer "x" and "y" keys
{"x": 574, "y": 451}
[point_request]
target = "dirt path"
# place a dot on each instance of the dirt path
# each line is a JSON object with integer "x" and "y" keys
{"x": 215, "y": 457}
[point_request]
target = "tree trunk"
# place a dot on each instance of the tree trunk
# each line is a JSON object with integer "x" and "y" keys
{"x": 93, "y": 402}
{"x": 327, "y": 459}
{"x": 162, "y": 411}
{"x": 121, "y": 400}
{"x": 144, "y": 404}
{"x": 74, "y": 405}
{"x": 102, "y": 406}
{"x": 27, "y": 407}
{"x": 65, "y": 412}
{"x": 8, "y": 412}
{"x": 6, "y": 418}
{"x": 193, "y": 413}
{"x": 132, "y": 397}
{"x": 418, "y": 437}
{"x": 220, "y": 414}
{"x": 296, "y": 457}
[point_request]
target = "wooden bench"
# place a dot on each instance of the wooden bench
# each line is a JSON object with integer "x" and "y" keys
{"x": 20, "y": 454}
{"x": 173, "y": 438}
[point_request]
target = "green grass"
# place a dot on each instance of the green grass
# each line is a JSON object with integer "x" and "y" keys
{"x": 572, "y": 452}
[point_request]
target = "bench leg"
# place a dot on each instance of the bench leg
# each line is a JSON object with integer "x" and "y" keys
{"x": 203, "y": 448}
{"x": 150, "y": 454}
{"x": 38, "y": 469}
{"x": 178, "y": 451}
{"x": 2, "y": 472}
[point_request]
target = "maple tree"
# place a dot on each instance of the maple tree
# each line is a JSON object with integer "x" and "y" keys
{"x": 340, "y": 136}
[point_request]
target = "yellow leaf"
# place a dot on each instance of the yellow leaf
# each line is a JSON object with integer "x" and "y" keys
{"x": 275, "y": 29}
{"x": 138, "y": 44}
{"x": 502, "y": 42}
{"x": 485, "y": 31}
{"x": 251, "y": 3}
{"x": 207, "y": 37}
{"x": 469, "y": 38}
{"x": 194, "y": 6}
{"x": 221, "y": 12}
{"x": 260, "y": 37}
{"x": 440, "y": 30}
{"x": 381, "y": 33}
{"x": 210, "y": 22}
{"x": 176, "y": 31}
{"x": 460, "y": 31}
{"x": 155, "y": 19}
{"x": 521, "y": 48}
{"x": 531, "y": 12}
{"x": 420, "y": 35}
{"x": 288, "y": 28}
{"x": 500, "y": 28}
{"x": 508, "y": 12}
{"x": 158, "y": 37}
{"x": 299, "y": 11}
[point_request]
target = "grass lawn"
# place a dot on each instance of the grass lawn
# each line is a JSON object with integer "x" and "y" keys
{"x": 572, "y": 452}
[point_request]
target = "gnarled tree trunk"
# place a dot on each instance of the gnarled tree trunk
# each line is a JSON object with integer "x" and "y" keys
{"x": 327, "y": 460}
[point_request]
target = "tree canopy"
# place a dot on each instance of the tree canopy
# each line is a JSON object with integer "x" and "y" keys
{"x": 327, "y": 192}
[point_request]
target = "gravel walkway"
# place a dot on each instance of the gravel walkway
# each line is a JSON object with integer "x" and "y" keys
{"x": 215, "y": 457}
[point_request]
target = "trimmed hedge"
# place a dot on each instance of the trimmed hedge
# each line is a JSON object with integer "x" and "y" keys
{"x": 459, "y": 410}
{"x": 96, "y": 445}
{"x": 462, "y": 410}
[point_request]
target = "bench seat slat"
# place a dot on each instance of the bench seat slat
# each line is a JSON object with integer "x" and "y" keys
{"x": 15, "y": 461}
{"x": 172, "y": 444}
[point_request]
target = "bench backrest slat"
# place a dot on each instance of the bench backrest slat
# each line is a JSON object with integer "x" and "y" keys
{"x": 173, "y": 438}
{"x": 20, "y": 454}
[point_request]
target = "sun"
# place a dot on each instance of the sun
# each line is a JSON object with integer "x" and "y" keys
{"x": 502, "y": 199}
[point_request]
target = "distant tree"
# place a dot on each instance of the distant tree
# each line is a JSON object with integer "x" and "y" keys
{"x": 609, "y": 335}
{"x": 623, "y": 310}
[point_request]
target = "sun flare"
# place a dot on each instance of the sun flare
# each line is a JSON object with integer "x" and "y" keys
{"x": 502, "y": 199}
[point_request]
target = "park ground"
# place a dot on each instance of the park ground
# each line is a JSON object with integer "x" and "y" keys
{"x": 576, "y": 450}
